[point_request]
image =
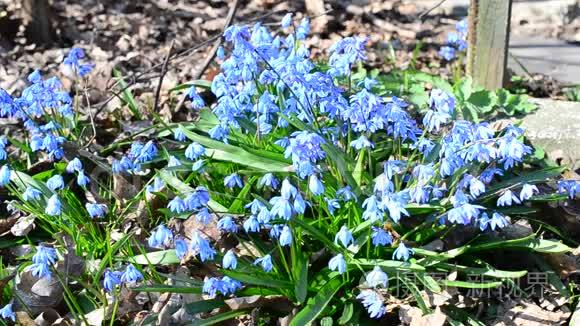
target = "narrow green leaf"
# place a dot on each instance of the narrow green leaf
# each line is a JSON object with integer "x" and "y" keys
{"x": 301, "y": 278}
{"x": 230, "y": 153}
{"x": 389, "y": 265}
{"x": 347, "y": 313}
{"x": 258, "y": 279}
{"x": 199, "y": 83}
{"x": 163, "y": 257}
{"x": 128, "y": 95}
{"x": 316, "y": 305}
{"x": 213, "y": 320}
{"x": 490, "y": 272}
{"x": 429, "y": 282}
{"x": 203, "y": 306}
{"x": 161, "y": 288}
{"x": 470, "y": 285}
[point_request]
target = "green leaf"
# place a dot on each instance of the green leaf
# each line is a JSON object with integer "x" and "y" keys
{"x": 471, "y": 285}
{"x": 199, "y": 83}
{"x": 301, "y": 278}
{"x": 213, "y": 320}
{"x": 316, "y": 234}
{"x": 316, "y": 305}
{"x": 230, "y": 153}
{"x": 482, "y": 100}
{"x": 258, "y": 279}
{"x": 526, "y": 177}
{"x": 389, "y": 265}
{"x": 163, "y": 257}
{"x": 238, "y": 203}
{"x": 161, "y": 288}
{"x": 347, "y": 313}
{"x": 127, "y": 95}
{"x": 490, "y": 272}
{"x": 203, "y": 306}
{"x": 538, "y": 245}
{"x": 326, "y": 321}
{"x": 429, "y": 282}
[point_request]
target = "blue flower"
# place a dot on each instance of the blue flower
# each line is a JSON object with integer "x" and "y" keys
{"x": 39, "y": 270}
{"x": 380, "y": 237}
{"x": 178, "y": 134}
{"x": 7, "y": 313}
{"x": 229, "y": 285}
{"x": 447, "y": 52}
{"x": 44, "y": 255}
{"x": 196, "y": 100}
{"x": 332, "y": 205}
{"x": 233, "y": 180}
{"x": 361, "y": 142}
{"x": 528, "y": 191}
{"x": 160, "y": 237}
{"x": 75, "y": 165}
{"x": 252, "y": 224}
{"x": 265, "y": 262}
{"x": 35, "y": 77}
{"x": 345, "y": 194}
{"x": 111, "y": 279}
{"x": 227, "y": 224}
{"x": 507, "y": 199}
{"x": 220, "y": 53}
{"x": 198, "y": 166}
{"x": 373, "y": 302}
{"x": 303, "y": 29}
{"x": 377, "y": 277}
{"x": 202, "y": 247}
{"x": 173, "y": 161}
{"x": 96, "y": 210}
{"x": 194, "y": 151}
{"x": 30, "y": 194}
{"x": 230, "y": 261}
{"x": 4, "y": 175}
{"x": 337, "y": 263}
{"x": 285, "y": 236}
{"x": 281, "y": 207}
{"x": 287, "y": 20}
{"x": 497, "y": 221}
{"x": 476, "y": 187}
{"x": 288, "y": 190}
{"x": 56, "y": 182}
{"x": 344, "y": 236}
{"x": 82, "y": 179}
{"x": 53, "y": 206}
{"x": 177, "y": 205}
{"x": 211, "y": 285}
{"x": 402, "y": 252}
{"x": 181, "y": 247}
{"x": 315, "y": 185}
{"x": 131, "y": 275}
{"x": 73, "y": 60}
{"x": 268, "y": 180}
{"x": 572, "y": 187}
{"x": 157, "y": 185}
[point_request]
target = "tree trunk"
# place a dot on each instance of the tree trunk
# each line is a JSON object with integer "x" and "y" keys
{"x": 36, "y": 18}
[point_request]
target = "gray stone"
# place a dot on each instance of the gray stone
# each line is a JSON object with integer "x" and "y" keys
{"x": 551, "y": 57}
{"x": 555, "y": 127}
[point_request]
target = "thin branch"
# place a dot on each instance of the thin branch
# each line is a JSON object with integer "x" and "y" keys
{"x": 163, "y": 72}
{"x": 424, "y": 14}
{"x": 209, "y": 58}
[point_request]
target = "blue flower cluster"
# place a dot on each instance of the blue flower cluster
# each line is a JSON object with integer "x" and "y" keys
{"x": 456, "y": 41}
{"x": 73, "y": 61}
{"x": 43, "y": 259}
{"x": 111, "y": 279}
